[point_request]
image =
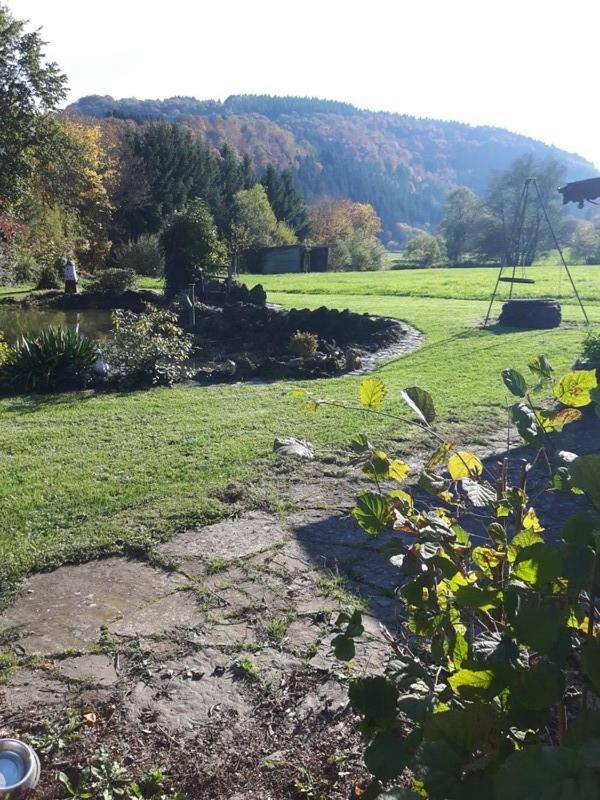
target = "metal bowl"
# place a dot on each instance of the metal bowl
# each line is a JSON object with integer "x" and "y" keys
{"x": 19, "y": 768}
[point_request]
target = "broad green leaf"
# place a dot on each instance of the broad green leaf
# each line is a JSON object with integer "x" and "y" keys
{"x": 375, "y": 698}
{"x": 579, "y": 529}
{"x": 524, "y": 418}
{"x": 401, "y": 500}
{"x": 538, "y": 626}
{"x": 537, "y": 564}
{"x": 540, "y": 772}
{"x": 514, "y": 382}
{"x": 385, "y": 757}
{"x": 377, "y": 466}
{"x": 466, "y": 728}
{"x": 473, "y": 597}
{"x": 590, "y": 661}
{"x": 539, "y": 687}
{"x": 521, "y": 540}
{"x": 360, "y": 444}
{"x": 471, "y": 683}
{"x": 585, "y": 474}
{"x": 372, "y": 512}
{"x": 459, "y": 650}
{"x": 574, "y": 388}
{"x": 372, "y": 393}
{"x": 421, "y": 403}
{"x": 463, "y": 464}
{"x": 343, "y": 647}
{"x": 432, "y": 483}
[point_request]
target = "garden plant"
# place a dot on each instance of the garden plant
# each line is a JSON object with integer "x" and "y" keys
{"x": 493, "y": 682}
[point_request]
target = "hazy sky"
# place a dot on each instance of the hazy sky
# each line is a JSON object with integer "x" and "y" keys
{"x": 526, "y": 65}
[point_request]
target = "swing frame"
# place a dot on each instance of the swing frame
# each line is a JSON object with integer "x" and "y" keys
{"x": 515, "y": 238}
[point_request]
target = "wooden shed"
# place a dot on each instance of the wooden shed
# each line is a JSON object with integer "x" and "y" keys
{"x": 289, "y": 258}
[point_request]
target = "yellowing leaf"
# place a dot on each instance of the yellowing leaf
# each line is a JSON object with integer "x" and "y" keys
{"x": 439, "y": 455}
{"x": 574, "y": 388}
{"x": 463, "y": 464}
{"x": 398, "y": 470}
{"x": 531, "y": 522}
{"x": 372, "y": 393}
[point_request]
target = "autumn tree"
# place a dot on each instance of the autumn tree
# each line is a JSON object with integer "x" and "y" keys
{"x": 350, "y": 228}
{"x": 30, "y": 89}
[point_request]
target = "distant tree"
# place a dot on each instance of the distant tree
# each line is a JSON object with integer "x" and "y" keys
{"x": 286, "y": 201}
{"x": 427, "y": 251}
{"x": 585, "y": 242}
{"x": 248, "y": 176}
{"x": 503, "y": 200}
{"x": 190, "y": 242}
{"x": 254, "y": 224}
{"x": 170, "y": 160}
{"x": 463, "y": 210}
{"x": 338, "y": 218}
{"x": 30, "y": 88}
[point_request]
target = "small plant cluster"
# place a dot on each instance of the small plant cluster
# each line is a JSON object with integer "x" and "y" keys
{"x": 148, "y": 349}
{"x": 108, "y": 779}
{"x": 113, "y": 281}
{"x": 55, "y": 359}
{"x": 304, "y": 344}
{"x": 493, "y": 685}
{"x": 591, "y": 346}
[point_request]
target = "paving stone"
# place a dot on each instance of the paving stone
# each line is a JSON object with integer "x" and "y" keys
{"x": 301, "y": 635}
{"x": 179, "y": 704}
{"x": 176, "y": 611}
{"x": 96, "y": 668}
{"x": 330, "y": 697}
{"x": 31, "y": 689}
{"x": 67, "y": 608}
{"x": 376, "y": 570}
{"x": 225, "y": 634}
{"x": 233, "y": 538}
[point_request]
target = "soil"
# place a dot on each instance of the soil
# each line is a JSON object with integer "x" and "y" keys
{"x": 212, "y": 655}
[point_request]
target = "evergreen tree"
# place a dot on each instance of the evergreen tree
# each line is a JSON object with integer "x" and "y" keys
{"x": 286, "y": 201}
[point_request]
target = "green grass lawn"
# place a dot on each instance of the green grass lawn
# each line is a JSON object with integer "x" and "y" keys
{"x": 82, "y": 475}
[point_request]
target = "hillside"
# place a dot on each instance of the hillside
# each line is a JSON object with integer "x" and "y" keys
{"x": 405, "y": 166}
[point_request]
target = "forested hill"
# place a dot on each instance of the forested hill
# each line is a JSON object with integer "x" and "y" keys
{"x": 405, "y": 166}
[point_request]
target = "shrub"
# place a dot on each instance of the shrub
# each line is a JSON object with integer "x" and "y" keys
{"x": 304, "y": 344}
{"x": 143, "y": 255}
{"x": 56, "y": 359}
{"x": 591, "y": 346}
{"x": 493, "y": 685}
{"x": 191, "y": 242}
{"x": 427, "y": 251}
{"x": 4, "y": 348}
{"x": 113, "y": 281}
{"x": 148, "y": 348}
{"x": 48, "y": 278}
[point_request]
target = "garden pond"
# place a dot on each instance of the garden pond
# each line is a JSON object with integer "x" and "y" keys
{"x": 18, "y": 321}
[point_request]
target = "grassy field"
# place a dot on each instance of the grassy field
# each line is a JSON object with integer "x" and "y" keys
{"x": 82, "y": 475}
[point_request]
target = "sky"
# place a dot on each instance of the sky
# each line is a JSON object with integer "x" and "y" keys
{"x": 526, "y": 65}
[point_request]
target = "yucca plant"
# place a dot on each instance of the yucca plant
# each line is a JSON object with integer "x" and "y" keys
{"x": 55, "y": 359}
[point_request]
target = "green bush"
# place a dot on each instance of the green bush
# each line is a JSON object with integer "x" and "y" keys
{"x": 57, "y": 359}
{"x": 113, "y": 281}
{"x": 591, "y": 346}
{"x": 303, "y": 344}
{"x": 191, "y": 242}
{"x": 48, "y": 278}
{"x": 148, "y": 348}
{"x": 492, "y": 689}
{"x": 143, "y": 255}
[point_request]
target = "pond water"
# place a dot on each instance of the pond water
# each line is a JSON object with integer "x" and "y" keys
{"x": 15, "y": 322}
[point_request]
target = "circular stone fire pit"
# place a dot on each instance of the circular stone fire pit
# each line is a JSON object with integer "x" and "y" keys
{"x": 530, "y": 314}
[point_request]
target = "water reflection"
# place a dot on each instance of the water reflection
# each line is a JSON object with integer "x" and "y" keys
{"x": 92, "y": 323}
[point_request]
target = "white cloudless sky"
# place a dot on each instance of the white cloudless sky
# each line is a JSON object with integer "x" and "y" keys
{"x": 527, "y": 65}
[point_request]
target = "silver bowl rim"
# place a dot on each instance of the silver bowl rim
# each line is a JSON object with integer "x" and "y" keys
{"x": 33, "y": 764}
